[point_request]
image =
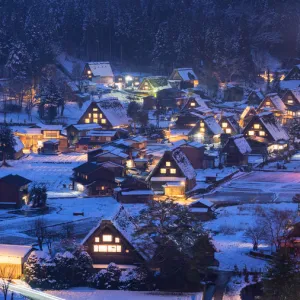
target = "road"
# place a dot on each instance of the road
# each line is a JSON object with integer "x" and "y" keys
{"x": 32, "y": 294}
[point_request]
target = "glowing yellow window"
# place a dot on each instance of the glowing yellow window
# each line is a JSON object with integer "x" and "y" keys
{"x": 95, "y": 116}
{"x": 95, "y": 109}
{"x": 87, "y": 121}
{"x": 250, "y": 132}
{"x": 262, "y": 133}
{"x": 102, "y": 248}
{"x": 100, "y": 116}
{"x": 224, "y": 125}
{"x": 256, "y": 126}
{"x": 168, "y": 164}
{"x": 113, "y": 248}
{"x": 173, "y": 171}
{"x": 97, "y": 239}
{"x": 117, "y": 240}
{"x": 90, "y": 115}
{"x": 96, "y": 248}
{"x": 107, "y": 238}
{"x": 89, "y": 72}
{"x": 268, "y": 103}
{"x": 163, "y": 171}
{"x": 228, "y": 130}
{"x": 290, "y": 102}
{"x": 202, "y": 129}
{"x": 202, "y": 125}
{"x": 103, "y": 121}
{"x": 95, "y": 120}
{"x": 193, "y": 104}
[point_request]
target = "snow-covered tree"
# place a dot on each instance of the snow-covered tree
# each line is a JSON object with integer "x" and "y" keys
{"x": 38, "y": 196}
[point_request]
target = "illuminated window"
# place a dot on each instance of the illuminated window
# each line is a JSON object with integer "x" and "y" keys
{"x": 108, "y": 139}
{"x": 95, "y": 109}
{"x": 127, "y": 251}
{"x": 228, "y": 130}
{"x": 90, "y": 115}
{"x": 107, "y": 238}
{"x": 163, "y": 171}
{"x": 290, "y": 102}
{"x": 87, "y": 121}
{"x": 97, "y": 239}
{"x": 102, "y": 188}
{"x": 202, "y": 125}
{"x": 224, "y": 125}
{"x": 117, "y": 240}
{"x": 96, "y": 248}
{"x": 89, "y": 72}
{"x": 113, "y": 248}
{"x": 103, "y": 121}
{"x": 262, "y": 133}
{"x": 95, "y": 120}
{"x": 100, "y": 116}
{"x": 256, "y": 126}
{"x": 193, "y": 104}
{"x": 173, "y": 171}
{"x": 102, "y": 248}
{"x": 250, "y": 132}
{"x": 202, "y": 129}
{"x": 168, "y": 164}
{"x": 268, "y": 103}
{"x": 95, "y": 116}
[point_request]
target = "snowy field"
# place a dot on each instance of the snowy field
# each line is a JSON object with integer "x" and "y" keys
{"x": 52, "y": 170}
{"x": 92, "y": 294}
{"x": 228, "y": 230}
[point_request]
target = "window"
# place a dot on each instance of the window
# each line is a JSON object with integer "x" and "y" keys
{"x": 202, "y": 129}
{"x": 163, "y": 171}
{"x": 224, "y": 125}
{"x": 97, "y": 239}
{"x": 114, "y": 248}
{"x": 168, "y": 164}
{"x": 108, "y": 139}
{"x": 290, "y": 101}
{"x": 95, "y": 120}
{"x": 87, "y": 121}
{"x": 256, "y": 126}
{"x": 100, "y": 116}
{"x": 102, "y": 248}
{"x": 107, "y": 238}
{"x": 117, "y": 240}
{"x": 268, "y": 103}
{"x": 95, "y": 109}
{"x": 173, "y": 171}
{"x": 102, "y": 188}
{"x": 90, "y": 115}
{"x": 250, "y": 132}
{"x": 96, "y": 248}
{"x": 262, "y": 133}
{"x": 95, "y": 116}
{"x": 127, "y": 251}
{"x": 193, "y": 104}
{"x": 51, "y": 134}
{"x": 201, "y": 125}
{"x": 89, "y": 72}
{"x": 228, "y": 130}
{"x": 103, "y": 121}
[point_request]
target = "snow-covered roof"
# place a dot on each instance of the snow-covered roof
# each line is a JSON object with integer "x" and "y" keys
{"x": 137, "y": 192}
{"x": 246, "y": 111}
{"x": 212, "y": 124}
{"x": 296, "y": 93}
{"x": 114, "y": 111}
{"x": 27, "y": 130}
{"x": 231, "y": 119}
{"x": 258, "y": 93}
{"x": 49, "y": 127}
{"x": 273, "y": 127}
{"x": 202, "y": 201}
{"x": 14, "y": 250}
{"x": 289, "y": 84}
{"x": 241, "y": 143}
{"x": 19, "y": 145}
{"x": 101, "y": 68}
{"x": 110, "y": 133}
{"x": 91, "y": 126}
{"x": 277, "y": 102}
{"x": 183, "y": 163}
{"x": 187, "y": 74}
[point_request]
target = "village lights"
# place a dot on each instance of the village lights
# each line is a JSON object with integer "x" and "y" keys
{"x": 128, "y": 78}
{"x": 89, "y": 72}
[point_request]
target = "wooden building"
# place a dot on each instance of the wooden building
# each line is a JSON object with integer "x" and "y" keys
{"x": 197, "y": 103}
{"x": 109, "y": 113}
{"x": 13, "y": 191}
{"x": 17, "y": 152}
{"x": 202, "y": 208}
{"x": 93, "y": 179}
{"x": 246, "y": 116}
{"x": 76, "y": 131}
{"x": 265, "y": 128}
{"x": 291, "y": 97}
{"x": 273, "y": 103}
{"x": 183, "y": 78}
{"x": 99, "y": 72}
{"x": 12, "y": 259}
{"x": 173, "y": 174}
{"x": 292, "y": 79}
{"x": 255, "y": 98}
{"x": 236, "y": 151}
{"x": 170, "y": 98}
{"x": 113, "y": 241}
{"x": 229, "y": 124}
{"x": 151, "y": 85}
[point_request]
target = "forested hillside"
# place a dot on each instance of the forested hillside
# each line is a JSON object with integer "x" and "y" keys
{"x": 217, "y": 35}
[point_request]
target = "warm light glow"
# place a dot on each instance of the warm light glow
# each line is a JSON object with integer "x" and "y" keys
{"x": 262, "y": 133}
{"x": 95, "y": 109}
{"x": 173, "y": 171}
{"x": 168, "y": 164}
{"x": 128, "y": 78}
{"x": 250, "y": 132}
{"x": 103, "y": 121}
{"x": 117, "y": 240}
{"x": 193, "y": 104}
{"x": 89, "y": 72}
{"x": 202, "y": 129}
{"x": 268, "y": 103}
{"x": 224, "y": 125}
{"x": 107, "y": 238}
{"x": 87, "y": 121}
{"x": 97, "y": 239}
{"x": 256, "y": 126}
{"x": 163, "y": 171}
{"x": 182, "y": 183}
{"x": 228, "y": 130}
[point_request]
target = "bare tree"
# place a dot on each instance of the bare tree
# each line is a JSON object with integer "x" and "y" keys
{"x": 277, "y": 224}
{"x": 6, "y": 275}
{"x": 256, "y": 233}
{"x": 38, "y": 229}
{"x": 50, "y": 237}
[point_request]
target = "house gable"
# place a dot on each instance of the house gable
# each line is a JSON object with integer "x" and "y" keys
{"x": 291, "y": 97}
{"x": 294, "y": 74}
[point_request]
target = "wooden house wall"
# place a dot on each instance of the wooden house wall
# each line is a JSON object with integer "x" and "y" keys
{"x": 250, "y": 127}
{"x": 194, "y": 155}
{"x": 9, "y": 194}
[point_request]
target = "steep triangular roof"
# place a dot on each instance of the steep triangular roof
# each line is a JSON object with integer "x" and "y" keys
{"x": 101, "y": 68}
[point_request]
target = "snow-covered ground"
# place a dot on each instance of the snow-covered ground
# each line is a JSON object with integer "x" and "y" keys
{"x": 93, "y": 294}
{"x": 228, "y": 235}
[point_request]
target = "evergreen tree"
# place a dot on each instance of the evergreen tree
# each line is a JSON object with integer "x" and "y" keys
{"x": 7, "y": 143}
{"x": 38, "y": 196}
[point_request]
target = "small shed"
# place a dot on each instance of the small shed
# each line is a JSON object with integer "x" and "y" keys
{"x": 12, "y": 259}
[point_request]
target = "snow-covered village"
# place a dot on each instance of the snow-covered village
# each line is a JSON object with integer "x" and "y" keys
{"x": 149, "y": 150}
